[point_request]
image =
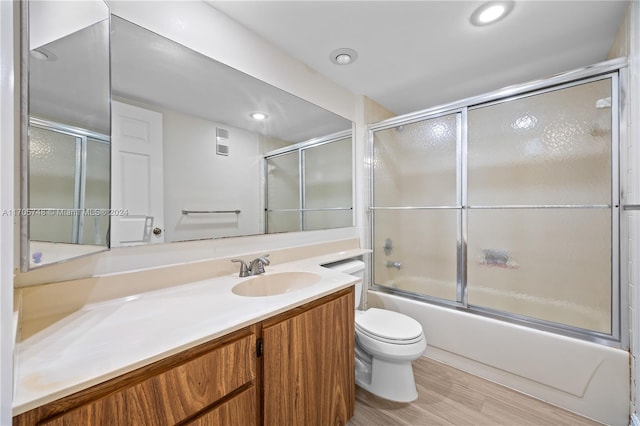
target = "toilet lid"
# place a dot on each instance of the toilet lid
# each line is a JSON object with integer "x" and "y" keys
{"x": 388, "y": 325}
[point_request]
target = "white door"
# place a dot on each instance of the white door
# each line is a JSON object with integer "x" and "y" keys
{"x": 136, "y": 176}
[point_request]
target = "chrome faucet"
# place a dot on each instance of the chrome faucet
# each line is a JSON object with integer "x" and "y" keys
{"x": 244, "y": 270}
{"x": 255, "y": 267}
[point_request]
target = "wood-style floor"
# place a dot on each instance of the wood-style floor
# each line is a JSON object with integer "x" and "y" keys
{"x": 448, "y": 396}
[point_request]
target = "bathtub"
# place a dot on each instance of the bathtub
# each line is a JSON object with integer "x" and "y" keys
{"x": 559, "y": 311}
{"x": 584, "y": 377}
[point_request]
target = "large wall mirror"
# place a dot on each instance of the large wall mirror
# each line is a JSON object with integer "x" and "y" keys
{"x": 66, "y": 131}
{"x": 187, "y": 147}
{"x": 187, "y": 150}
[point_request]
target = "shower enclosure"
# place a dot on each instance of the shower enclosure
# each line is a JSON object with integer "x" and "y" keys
{"x": 68, "y": 184}
{"x": 506, "y": 205}
{"x": 310, "y": 186}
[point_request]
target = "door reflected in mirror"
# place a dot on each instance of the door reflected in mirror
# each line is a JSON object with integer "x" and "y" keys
{"x": 66, "y": 145}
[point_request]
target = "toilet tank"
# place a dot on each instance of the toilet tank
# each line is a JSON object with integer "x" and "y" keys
{"x": 352, "y": 267}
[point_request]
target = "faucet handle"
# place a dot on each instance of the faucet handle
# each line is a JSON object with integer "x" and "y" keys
{"x": 257, "y": 265}
{"x": 244, "y": 269}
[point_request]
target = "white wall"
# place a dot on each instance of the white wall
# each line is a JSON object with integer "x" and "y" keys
{"x": 8, "y": 132}
{"x": 50, "y": 21}
{"x": 627, "y": 44}
{"x": 634, "y": 189}
{"x": 196, "y": 178}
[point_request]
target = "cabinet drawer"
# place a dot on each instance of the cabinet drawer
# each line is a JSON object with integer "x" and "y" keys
{"x": 239, "y": 410}
{"x": 173, "y": 395}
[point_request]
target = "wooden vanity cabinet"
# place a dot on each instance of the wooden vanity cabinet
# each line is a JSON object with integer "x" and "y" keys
{"x": 308, "y": 363}
{"x": 296, "y": 368}
{"x": 214, "y": 383}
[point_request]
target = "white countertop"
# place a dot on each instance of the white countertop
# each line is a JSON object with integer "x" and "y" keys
{"x": 104, "y": 340}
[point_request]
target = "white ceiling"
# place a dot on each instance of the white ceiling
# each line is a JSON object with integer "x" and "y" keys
{"x": 417, "y": 54}
{"x": 73, "y": 88}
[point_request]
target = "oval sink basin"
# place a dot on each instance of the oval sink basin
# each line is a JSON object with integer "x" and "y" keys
{"x": 276, "y": 283}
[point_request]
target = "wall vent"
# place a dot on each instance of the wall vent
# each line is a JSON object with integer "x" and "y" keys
{"x": 222, "y": 141}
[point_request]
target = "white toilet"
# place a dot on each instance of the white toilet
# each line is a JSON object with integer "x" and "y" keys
{"x": 386, "y": 343}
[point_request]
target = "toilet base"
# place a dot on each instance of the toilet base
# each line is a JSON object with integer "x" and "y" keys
{"x": 388, "y": 380}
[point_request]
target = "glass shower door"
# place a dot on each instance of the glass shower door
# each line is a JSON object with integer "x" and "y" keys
{"x": 507, "y": 207}
{"x": 283, "y": 193}
{"x": 540, "y": 206}
{"x": 95, "y": 226}
{"x": 417, "y": 207}
{"x": 69, "y": 181}
{"x": 54, "y": 185}
{"x": 309, "y": 186}
{"x": 327, "y": 186}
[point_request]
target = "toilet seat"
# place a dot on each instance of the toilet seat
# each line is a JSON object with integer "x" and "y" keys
{"x": 389, "y": 327}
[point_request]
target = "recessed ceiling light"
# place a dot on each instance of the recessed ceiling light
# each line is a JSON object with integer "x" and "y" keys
{"x": 259, "y": 116}
{"x": 42, "y": 54}
{"x": 343, "y": 56}
{"x": 491, "y": 12}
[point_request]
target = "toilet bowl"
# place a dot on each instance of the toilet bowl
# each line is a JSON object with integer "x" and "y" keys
{"x": 386, "y": 343}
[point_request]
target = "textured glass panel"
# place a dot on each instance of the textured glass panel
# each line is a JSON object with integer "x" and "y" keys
{"x": 415, "y": 164}
{"x": 283, "y": 192}
{"x": 283, "y": 182}
{"x": 52, "y": 185}
{"x": 551, "y": 148}
{"x": 283, "y": 222}
{"x": 415, "y": 251}
{"x": 327, "y": 219}
{"x": 98, "y": 172}
{"x": 327, "y": 175}
{"x": 551, "y": 264}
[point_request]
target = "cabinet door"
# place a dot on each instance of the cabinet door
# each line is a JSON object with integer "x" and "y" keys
{"x": 309, "y": 366}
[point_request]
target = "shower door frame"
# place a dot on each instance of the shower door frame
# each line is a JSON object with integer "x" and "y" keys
{"x": 301, "y": 149}
{"x": 616, "y": 71}
{"x": 80, "y": 172}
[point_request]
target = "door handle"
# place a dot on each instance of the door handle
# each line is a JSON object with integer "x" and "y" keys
{"x": 157, "y": 231}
